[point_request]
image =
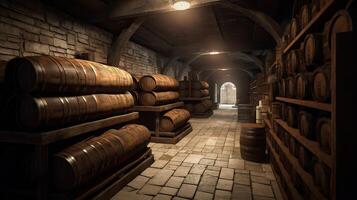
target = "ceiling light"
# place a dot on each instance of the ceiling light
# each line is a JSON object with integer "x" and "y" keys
{"x": 181, "y": 4}
{"x": 223, "y": 69}
{"x": 214, "y": 53}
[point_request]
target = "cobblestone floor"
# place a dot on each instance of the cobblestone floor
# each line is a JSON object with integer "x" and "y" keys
{"x": 206, "y": 164}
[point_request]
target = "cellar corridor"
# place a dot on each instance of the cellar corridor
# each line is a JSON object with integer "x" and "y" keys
{"x": 206, "y": 164}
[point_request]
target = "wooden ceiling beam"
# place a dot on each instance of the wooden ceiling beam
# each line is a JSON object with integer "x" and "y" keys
{"x": 135, "y": 8}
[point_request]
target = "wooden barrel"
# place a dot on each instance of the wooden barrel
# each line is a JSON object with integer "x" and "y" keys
{"x": 305, "y": 158}
{"x": 174, "y": 119}
{"x": 273, "y": 91}
{"x": 276, "y": 110}
{"x": 296, "y": 62}
{"x": 293, "y": 147}
{"x": 286, "y": 37}
{"x": 315, "y": 7}
{"x": 284, "y": 111}
{"x": 252, "y": 142}
{"x": 48, "y": 74}
{"x": 324, "y": 137}
{"x": 321, "y": 90}
{"x": 292, "y": 117}
{"x": 85, "y": 161}
{"x": 197, "y": 85}
{"x": 313, "y": 50}
{"x": 322, "y": 177}
{"x": 200, "y": 93}
{"x": 282, "y": 87}
{"x": 290, "y": 87}
{"x": 49, "y": 112}
{"x": 303, "y": 85}
{"x": 158, "y": 98}
{"x": 305, "y": 15}
{"x": 280, "y": 71}
{"x": 307, "y": 125}
{"x": 203, "y": 106}
{"x": 294, "y": 28}
{"x": 246, "y": 113}
{"x": 184, "y": 93}
{"x": 158, "y": 82}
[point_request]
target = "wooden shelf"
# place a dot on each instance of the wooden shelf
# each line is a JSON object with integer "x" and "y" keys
{"x": 322, "y": 16}
{"x": 44, "y": 138}
{"x": 295, "y": 194}
{"x": 157, "y": 108}
{"x": 312, "y": 146}
{"x": 194, "y": 98}
{"x": 267, "y": 122}
{"x": 164, "y": 137}
{"x": 307, "y": 103}
{"x": 306, "y": 177}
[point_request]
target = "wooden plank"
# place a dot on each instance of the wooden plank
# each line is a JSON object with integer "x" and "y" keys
{"x": 295, "y": 194}
{"x": 172, "y": 140}
{"x": 305, "y": 176}
{"x": 157, "y": 108}
{"x": 329, "y": 8}
{"x": 194, "y": 98}
{"x": 307, "y": 103}
{"x": 267, "y": 122}
{"x": 43, "y": 138}
{"x": 312, "y": 146}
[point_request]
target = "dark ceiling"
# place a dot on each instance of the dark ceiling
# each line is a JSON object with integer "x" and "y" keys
{"x": 187, "y": 33}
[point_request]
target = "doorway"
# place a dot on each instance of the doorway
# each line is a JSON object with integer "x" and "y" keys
{"x": 228, "y": 93}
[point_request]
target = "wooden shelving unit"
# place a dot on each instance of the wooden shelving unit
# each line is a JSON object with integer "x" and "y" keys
{"x": 312, "y": 146}
{"x": 150, "y": 117}
{"x": 305, "y": 176}
{"x": 285, "y": 175}
{"x": 43, "y": 141}
{"x": 317, "y": 22}
{"x": 307, "y": 103}
{"x": 341, "y": 57}
{"x": 194, "y": 98}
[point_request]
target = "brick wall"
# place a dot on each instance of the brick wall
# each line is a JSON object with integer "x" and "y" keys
{"x": 41, "y": 30}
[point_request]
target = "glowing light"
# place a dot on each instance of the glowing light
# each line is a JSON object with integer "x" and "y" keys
{"x": 214, "y": 53}
{"x": 223, "y": 69}
{"x": 181, "y": 5}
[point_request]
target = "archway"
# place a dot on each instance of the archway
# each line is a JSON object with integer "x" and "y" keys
{"x": 228, "y": 93}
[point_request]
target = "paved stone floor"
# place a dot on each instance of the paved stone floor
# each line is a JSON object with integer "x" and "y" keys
{"x": 206, "y": 164}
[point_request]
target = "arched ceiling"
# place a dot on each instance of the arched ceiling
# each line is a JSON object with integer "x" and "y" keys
{"x": 209, "y": 26}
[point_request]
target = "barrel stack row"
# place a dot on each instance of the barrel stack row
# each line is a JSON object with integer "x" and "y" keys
{"x": 44, "y": 93}
{"x": 159, "y": 89}
{"x": 196, "y": 90}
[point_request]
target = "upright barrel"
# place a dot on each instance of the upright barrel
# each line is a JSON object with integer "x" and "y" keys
{"x": 158, "y": 82}
{"x": 294, "y": 28}
{"x": 174, "y": 119}
{"x": 306, "y": 124}
{"x": 203, "y": 106}
{"x": 158, "y": 98}
{"x": 252, "y": 142}
{"x": 305, "y": 15}
{"x": 246, "y": 113}
{"x": 55, "y": 75}
{"x": 313, "y": 50}
{"x": 85, "y": 161}
{"x": 200, "y": 93}
{"x": 321, "y": 90}
{"x": 303, "y": 85}
{"x": 324, "y": 135}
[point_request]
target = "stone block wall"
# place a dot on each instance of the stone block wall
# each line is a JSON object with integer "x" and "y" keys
{"x": 27, "y": 30}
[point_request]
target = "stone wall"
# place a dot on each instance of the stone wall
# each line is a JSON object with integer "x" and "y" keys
{"x": 27, "y": 29}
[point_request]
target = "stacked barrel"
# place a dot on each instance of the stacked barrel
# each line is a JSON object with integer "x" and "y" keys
{"x": 50, "y": 92}
{"x": 197, "y": 91}
{"x": 44, "y": 93}
{"x": 174, "y": 120}
{"x": 158, "y": 89}
{"x": 305, "y": 74}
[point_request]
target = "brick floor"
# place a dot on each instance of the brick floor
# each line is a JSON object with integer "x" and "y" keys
{"x": 206, "y": 164}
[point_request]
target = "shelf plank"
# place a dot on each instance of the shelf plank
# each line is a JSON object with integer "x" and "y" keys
{"x": 48, "y": 137}
{"x": 157, "y": 108}
{"x": 306, "y": 177}
{"x": 295, "y": 194}
{"x": 194, "y": 98}
{"x": 312, "y": 146}
{"x": 307, "y": 103}
{"x": 328, "y": 9}
{"x": 267, "y": 122}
